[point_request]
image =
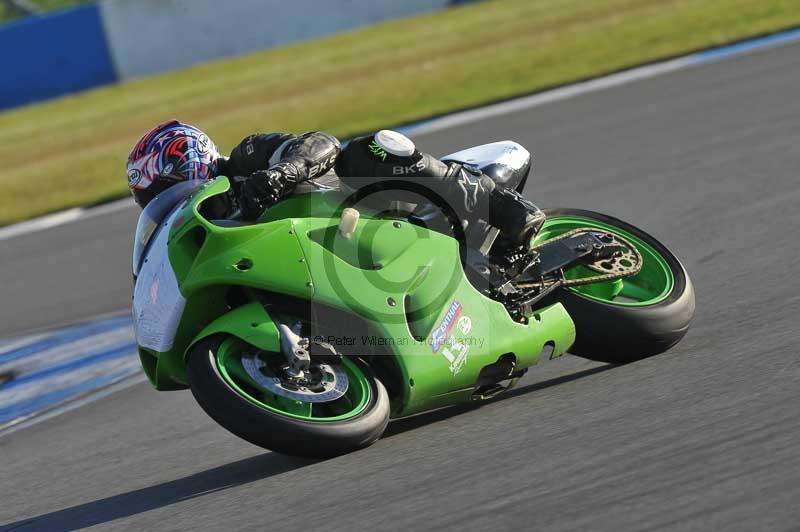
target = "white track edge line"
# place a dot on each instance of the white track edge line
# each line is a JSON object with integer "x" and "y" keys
{"x": 72, "y": 404}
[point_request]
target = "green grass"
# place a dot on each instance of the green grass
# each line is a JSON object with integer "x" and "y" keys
{"x": 7, "y": 14}
{"x": 72, "y": 151}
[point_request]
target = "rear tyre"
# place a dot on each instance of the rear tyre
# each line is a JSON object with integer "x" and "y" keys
{"x": 629, "y": 319}
{"x": 318, "y": 430}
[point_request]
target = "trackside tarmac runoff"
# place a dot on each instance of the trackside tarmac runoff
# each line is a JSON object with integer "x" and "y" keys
{"x": 701, "y": 438}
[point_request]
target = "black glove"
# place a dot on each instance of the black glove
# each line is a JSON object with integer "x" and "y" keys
{"x": 300, "y": 159}
{"x": 265, "y": 188}
{"x": 313, "y": 153}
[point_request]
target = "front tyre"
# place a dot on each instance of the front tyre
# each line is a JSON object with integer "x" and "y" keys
{"x": 221, "y": 376}
{"x": 627, "y": 319}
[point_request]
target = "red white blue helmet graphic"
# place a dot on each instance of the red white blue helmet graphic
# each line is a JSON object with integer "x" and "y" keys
{"x": 170, "y": 153}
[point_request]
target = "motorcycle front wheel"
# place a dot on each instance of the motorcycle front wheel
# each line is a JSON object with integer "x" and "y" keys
{"x": 243, "y": 390}
{"x": 626, "y": 319}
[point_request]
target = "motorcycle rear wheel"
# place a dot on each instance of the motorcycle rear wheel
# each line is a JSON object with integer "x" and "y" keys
{"x": 223, "y": 389}
{"x": 627, "y": 319}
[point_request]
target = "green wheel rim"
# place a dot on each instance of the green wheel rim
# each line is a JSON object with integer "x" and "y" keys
{"x": 353, "y": 403}
{"x": 653, "y": 284}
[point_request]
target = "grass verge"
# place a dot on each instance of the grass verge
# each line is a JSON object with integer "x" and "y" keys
{"x": 72, "y": 151}
{"x": 7, "y": 14}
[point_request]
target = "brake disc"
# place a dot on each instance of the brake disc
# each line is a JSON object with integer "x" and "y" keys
{"x": 321, "y": 384}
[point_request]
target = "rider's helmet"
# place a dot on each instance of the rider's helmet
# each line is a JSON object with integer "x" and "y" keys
{"x": 168, "y": 154}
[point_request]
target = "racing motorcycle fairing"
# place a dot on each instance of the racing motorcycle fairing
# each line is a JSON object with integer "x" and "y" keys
{"x": 402, "y": 286}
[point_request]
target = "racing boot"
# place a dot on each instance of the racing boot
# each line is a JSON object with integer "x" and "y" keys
{"x": 517, "y": 218}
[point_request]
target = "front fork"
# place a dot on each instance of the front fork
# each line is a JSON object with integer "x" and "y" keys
{"x": 298, "y": 350}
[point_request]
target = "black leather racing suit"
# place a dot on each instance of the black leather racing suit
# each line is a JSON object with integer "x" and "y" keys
{"x": 265, "y": 168}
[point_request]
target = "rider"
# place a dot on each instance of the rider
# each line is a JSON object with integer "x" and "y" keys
{"x": 265, "y": 168}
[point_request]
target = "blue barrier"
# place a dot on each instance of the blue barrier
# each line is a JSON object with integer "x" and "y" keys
{"x": 44, "y": 57}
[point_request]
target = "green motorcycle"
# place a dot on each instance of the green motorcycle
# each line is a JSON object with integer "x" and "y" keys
{"x": 307, "y": 331}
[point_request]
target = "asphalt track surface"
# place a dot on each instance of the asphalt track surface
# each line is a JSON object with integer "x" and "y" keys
{"x": 701, "y": 438}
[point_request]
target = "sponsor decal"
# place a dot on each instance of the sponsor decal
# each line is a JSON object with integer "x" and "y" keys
{"x": 470, "y": 189}
{"x": 321, "y": 168}
{"x": 377, "y": 151}
{"x": 453, "y": 349}
{"x": 456, "y": 353}
{"x": 440, "y": 333}
{"x": 202, "y": 144}
{"x": 134, "y": 177}
{"x": 403, "y": 170}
